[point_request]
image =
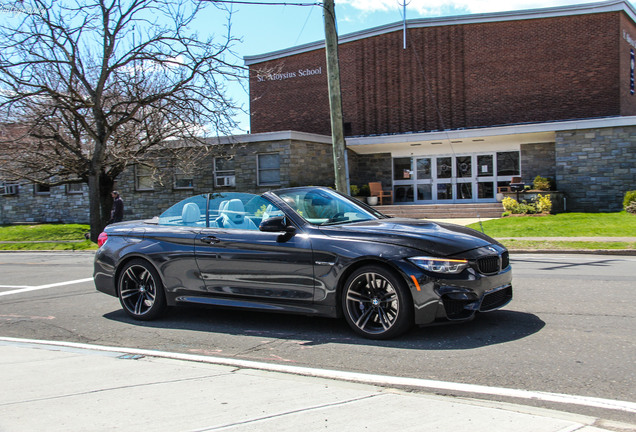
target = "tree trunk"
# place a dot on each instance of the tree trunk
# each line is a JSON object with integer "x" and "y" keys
{"x": 100, "y": 201}
{"x": 94, "y": 206}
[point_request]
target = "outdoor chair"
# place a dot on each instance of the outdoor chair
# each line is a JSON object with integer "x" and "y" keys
{"x": 376, "y": 190}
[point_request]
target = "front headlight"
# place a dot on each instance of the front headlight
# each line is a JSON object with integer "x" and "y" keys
{"x": 440, "y": 265}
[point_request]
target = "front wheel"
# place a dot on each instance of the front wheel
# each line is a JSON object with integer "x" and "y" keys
{"x": 377, "y": 304}
{"x": 140, "y": 291}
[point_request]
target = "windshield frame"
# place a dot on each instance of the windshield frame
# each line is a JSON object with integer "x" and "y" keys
{"x": 296, "y": 200}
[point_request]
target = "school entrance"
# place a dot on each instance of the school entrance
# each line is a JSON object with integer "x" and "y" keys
{"x": 454, "y": 178}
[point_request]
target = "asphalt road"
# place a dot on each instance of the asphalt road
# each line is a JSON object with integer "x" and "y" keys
{"x": 571, "y": 329}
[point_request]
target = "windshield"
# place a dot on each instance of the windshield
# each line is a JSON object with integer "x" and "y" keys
{"x": 326, "y": 207}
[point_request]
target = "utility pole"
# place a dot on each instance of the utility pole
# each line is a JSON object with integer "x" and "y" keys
{"x": 335, "y": 97}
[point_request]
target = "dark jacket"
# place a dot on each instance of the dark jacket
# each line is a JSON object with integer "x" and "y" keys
{"x": 117, "y": 213}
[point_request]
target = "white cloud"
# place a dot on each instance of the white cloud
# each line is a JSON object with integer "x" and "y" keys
{"x": 445, "y": 7}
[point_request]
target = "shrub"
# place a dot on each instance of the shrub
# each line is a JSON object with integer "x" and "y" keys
{"x": 631, "y": 208}
{"x": 355, "y": 190}
{"x": 510, "y": 205}
{"x": 527, "y": 208}
{"x": 630, "y": 197}
{"x": 544, "y": 204}
{"x": 541, "y": 183}
{"x": 364, "y": 190}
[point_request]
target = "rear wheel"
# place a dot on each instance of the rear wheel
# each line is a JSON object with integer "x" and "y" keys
{"x": 377, "y": 304}
{"x": 140, "y": 291}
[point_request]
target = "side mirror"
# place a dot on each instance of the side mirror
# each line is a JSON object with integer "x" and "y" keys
{"x": 277, "y": 224}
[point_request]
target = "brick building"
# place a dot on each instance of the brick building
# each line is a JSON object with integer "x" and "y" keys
{"x": 472, "y": 102}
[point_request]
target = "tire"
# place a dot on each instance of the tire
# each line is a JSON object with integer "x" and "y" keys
{"x": 140, "y": 290}
{"x": 376, "y": 303}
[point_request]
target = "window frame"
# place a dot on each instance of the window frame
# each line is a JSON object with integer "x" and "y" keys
{"x": 225, "y": 174}
{"x": 138, "y": 187}
{"x": 69, "y": 191}
{"x": 181, "y": 172}
{"x": 37, "y": 190}
{"x": 259, "y": 170}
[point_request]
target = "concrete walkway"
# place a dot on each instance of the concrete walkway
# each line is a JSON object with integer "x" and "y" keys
{"x": 66, "y": 388}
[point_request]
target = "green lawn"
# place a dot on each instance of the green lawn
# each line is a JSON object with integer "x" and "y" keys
{"x": 620, "y": 224}
{"x": 563, "y": 225}
{"x": 71, "y": 236}
{"x": 45, "y": 237}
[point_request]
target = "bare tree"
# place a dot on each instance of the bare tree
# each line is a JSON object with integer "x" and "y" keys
{"x": 88, "y": 87}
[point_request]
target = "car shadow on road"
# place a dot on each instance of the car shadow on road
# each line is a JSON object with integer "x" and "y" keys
{"x": 486, "y": 329}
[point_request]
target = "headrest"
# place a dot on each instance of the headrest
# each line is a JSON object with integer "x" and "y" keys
{"x": 190, "y": 213}
{"x": 235, "y": 211}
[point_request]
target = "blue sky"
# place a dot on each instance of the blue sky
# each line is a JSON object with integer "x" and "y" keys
{"x": 263, "y": 29}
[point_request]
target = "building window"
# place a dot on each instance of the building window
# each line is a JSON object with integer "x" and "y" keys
{"x": 402, "y": 169}
{"x": 183, "y": 178}
{"x": 9, "y": 189}
{"x": 508, "y": 163}
{"x": 74, "y": 188}
{"x": 268, "y": 166}
{"x": 42, "y": 189}
{"x": 143, "y": 178}
{"x": 224, "y": 172}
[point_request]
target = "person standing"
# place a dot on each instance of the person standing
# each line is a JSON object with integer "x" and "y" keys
{"x": 117, "y": 212}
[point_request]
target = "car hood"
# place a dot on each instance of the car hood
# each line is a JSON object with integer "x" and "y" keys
{"x": 441, "y": 239}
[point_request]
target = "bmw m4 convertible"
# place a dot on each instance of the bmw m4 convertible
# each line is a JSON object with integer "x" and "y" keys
{"x": 306, "y": 250}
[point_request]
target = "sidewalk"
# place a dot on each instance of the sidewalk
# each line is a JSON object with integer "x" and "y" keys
{"x": 56, "y": 388}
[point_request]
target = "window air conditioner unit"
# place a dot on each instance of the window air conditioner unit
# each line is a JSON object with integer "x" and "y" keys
{"x": 9, "y": 189}
{"x": 225, "y": 181}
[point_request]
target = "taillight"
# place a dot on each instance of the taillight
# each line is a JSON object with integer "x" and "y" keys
{"x": 101, "y": 239}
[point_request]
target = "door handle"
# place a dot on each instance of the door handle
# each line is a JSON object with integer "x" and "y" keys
{"x": 210, "y": 240}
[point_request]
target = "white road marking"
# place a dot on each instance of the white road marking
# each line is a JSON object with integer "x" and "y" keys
{"x": 21, "y": 289}
{"x": 383, "y": 380}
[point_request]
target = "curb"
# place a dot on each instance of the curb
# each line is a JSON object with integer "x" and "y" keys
{"x": 627, "y": 252}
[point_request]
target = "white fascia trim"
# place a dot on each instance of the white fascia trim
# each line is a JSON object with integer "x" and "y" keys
{"x": 493, "y": 131}
{"x": 270, "y": 136}
{"x": 559, "y": 11}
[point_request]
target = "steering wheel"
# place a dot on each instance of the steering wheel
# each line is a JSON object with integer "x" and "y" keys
{"x": 338, "y": 217}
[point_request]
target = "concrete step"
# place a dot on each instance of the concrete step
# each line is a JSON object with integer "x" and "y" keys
{"x": 443, "y": 211}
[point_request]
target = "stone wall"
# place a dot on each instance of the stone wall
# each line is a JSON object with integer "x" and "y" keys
{"x": 595, "y": 167}
{"x": 56, "y": 206}
{"x": 311, "y": 164}
{"x": 373, "y": 168}
{"x": 537, "y": 160}
{"x": 301, "y": 163}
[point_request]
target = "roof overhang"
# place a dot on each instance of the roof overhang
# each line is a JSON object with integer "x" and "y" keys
{"x": 270, "y": 136}
{"x": 511, "y": 135}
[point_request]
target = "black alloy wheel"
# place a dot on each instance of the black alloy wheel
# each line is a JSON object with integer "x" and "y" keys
{"x": 377, "y": 304}
{"x": 140, "y": 291}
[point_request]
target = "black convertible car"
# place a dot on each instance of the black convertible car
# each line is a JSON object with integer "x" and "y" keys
{"x": 304, "y": 250}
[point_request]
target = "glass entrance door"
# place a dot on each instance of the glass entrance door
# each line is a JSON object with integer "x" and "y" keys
{"x": 485, "y": 177}
{"x": 451, "y": 178}
{"x": 464, "y": 178}
{"x": 444, "y": 179}
{"x": 424, "y": 180}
